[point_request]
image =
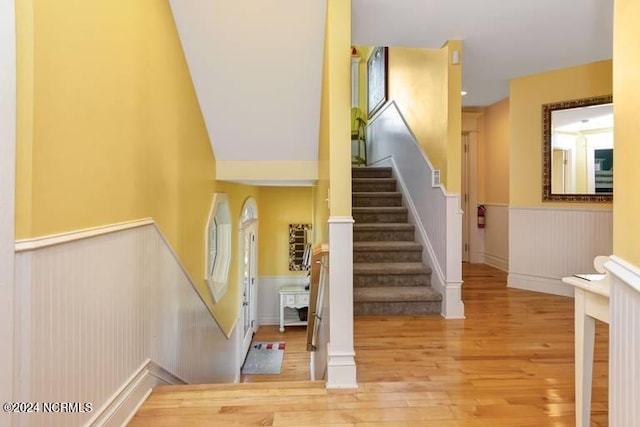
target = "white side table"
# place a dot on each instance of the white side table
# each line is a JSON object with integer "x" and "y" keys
{"x": 292, "y": 297}
{"x": 591, "y": 302}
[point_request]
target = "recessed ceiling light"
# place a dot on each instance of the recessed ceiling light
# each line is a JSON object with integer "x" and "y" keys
{"x": 463, "y": 93}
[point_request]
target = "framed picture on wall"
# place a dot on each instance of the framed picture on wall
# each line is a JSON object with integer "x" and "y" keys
{"x": 377, "y": 79}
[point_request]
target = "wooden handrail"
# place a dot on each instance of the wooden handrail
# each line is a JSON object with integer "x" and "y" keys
{"x": 318, "y": 253}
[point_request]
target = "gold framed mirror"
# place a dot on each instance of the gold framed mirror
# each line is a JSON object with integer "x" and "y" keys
{"x": 577, "y": 150}
{"x": 299, "y": 247}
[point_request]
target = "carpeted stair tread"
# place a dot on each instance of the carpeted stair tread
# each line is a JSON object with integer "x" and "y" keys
{"x": 387, "y": 246}
{"x": 371, "y": 172}
{"x": 380, "y": 214}
{"x": 383, "y": 226}
{"x": 376, "y": 194}
{"x": 396, "y": 294}
{"x": 377, "y": 198}
{"x": 396, "y": 268}
{"x": 368, "y": 185}
{"x": 384, "y": 231}
{"x": 372, "y": 180}
{"x": 379, "y": 209}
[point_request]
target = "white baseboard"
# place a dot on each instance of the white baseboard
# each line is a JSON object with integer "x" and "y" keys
{"x": 123, "y": 405}
{"x": 496, "y": 261}
{"x": 476, "y": 257}
{"x": 341, "y": 370}
{"x": 453, "y": 298}
{"x": 269, "y": 320}
{"x": 539, "y": 284}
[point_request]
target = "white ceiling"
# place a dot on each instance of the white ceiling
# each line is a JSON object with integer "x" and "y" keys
{"x": 502, "y": 39}
{"x": 583, "y": 118}
{"x": 257, "y": 70}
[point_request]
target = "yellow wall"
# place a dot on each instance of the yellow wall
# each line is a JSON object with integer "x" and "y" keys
{"x": 426, "y": 88}
{"x": 453, "y": 176}
{"x": 418, "y": 85}
{"x": 626, "y": 83}
{"x": 338, "y": 56}
{"x": 496, "y": 153}
{"x": 110, "y": 130}
{"x": 24, "y": 119}
{"x": 527, "y": 94}
{"x": 279, "y": 207}
{"x": 320, "y": 190}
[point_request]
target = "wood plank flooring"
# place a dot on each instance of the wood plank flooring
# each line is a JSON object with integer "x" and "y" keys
{"x": 508, "y": 364}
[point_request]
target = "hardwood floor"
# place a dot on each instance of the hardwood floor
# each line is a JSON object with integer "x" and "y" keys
{"x": 509, "y": 364}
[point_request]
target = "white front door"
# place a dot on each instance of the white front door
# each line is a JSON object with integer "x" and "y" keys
{"x": 249, "y": 269}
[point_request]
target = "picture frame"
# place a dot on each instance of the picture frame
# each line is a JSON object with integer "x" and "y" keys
{"x": 377, "y": 79}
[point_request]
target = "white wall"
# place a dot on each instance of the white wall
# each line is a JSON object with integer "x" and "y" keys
{"x": 257, "y": 71}
{"x": 7, "y": 193}
{"x": 624, "y": 344}
{"x": 435, "y": 213}
{"x": 547, "y": 244}
{"x": 107, "y": 312}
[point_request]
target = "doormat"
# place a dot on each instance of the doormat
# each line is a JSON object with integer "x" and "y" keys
{"x": 264, "y": 358}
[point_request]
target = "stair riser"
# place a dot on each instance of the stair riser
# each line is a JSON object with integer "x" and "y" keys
{"x": 370, "y": 173}
{"x": 373, "y": 186}
{"x": 382, "y": 236}
{"x": 387, "y": 256}
{"x": 395, "y": 308}
{"x": 364, "y": 218}
{"x": 376, "y": 201}
{"x": 378, "y": 280}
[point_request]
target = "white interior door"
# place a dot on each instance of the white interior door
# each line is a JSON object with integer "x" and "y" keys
{"x": 249, "y": 270}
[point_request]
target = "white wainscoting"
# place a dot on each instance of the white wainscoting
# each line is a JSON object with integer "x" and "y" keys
{"x": 435, "y": 213}
{"x": 546, "y": 244}
{"x": 269, "y": 298}
{"x": 105, "y": 318}
{"x": 624, "y": 343}
{"x": 496, "y": 236}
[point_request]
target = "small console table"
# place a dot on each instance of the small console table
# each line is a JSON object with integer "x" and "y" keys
{"x": 591, "y": 302}
{"x": 292, "y": 297}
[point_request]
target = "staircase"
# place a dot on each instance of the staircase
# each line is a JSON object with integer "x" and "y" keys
{"x": 389, "y": 276}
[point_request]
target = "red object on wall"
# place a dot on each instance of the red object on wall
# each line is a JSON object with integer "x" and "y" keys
{"x": 482, "y": 213}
